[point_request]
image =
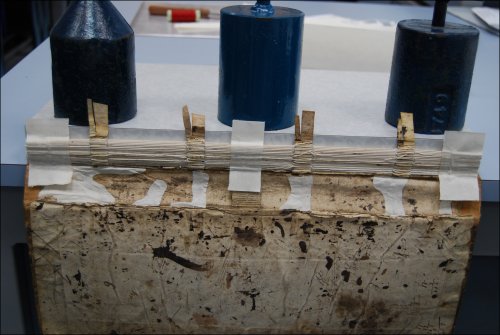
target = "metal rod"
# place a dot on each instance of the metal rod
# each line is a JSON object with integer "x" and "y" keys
{"x": 439, "y": 17}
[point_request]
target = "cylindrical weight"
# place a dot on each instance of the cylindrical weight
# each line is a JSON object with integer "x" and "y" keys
{"x": 260, "y": 56}
{"x": 431, "y": 75}
{"x": 93, "y": 57}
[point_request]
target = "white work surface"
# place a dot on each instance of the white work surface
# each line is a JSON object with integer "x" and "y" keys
{"x": 27, "y": 87}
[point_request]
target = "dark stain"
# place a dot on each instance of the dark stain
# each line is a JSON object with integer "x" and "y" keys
{"x": 434, "y": 296}
{"x": 447, "y": 231}
{"x": 108, "y": 284}
{"x": 364, "y": 257}
{"x": 369, "y": 230}
{"x": 359, "y": 281}
{"x": 179, "y": 180}
{"x": 303, "y": 246}
{"x": 305, "y": 227}
{"x": 164, "y": 252}
{"x": 248, "y": 237}
{"x": 252, "y": 294}
{"x": 288, "y": 219}
{"x": 385, "y": 287}
{"x": 162, "y": 215}
{"x": 40, "y": 206}
{"x": 320, "y": 231}
{"x": 440, "y": 244}
{"x": 262, "y": 242}
{"x": 329, "y": 262}
{"x": 205, "y": 320}
{"x": 78, "y": 277}
{"x": 280, "y": 227}
{"x": 348, "y": 305}
{"x": 445, "y": 263}
{"x": 373, "y": 313}
{"x": 345, "y": 274}
{"x": 201, "y": 234}
{"x": 360, "y": 290}
{"x": 352, "y": 324}
{"x": 412, "y": 202}
{"x": 229, "y": 278}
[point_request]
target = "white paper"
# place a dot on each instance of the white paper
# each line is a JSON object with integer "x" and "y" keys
{"x": 332, "y": 20}
{"x": 83, "y": 189}
{"x": 300, "y": 196}
{"x": 49, "y": 161}
{"x": 392, "y": 190}
{"x": 461, "y": 156}
{"x": 489, "y": 15}
{"x": 247, "y": 144}
{"x": 154, "y": 195}
{"x": 199, "y": 191}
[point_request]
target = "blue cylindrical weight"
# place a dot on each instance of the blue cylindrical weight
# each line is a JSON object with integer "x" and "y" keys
{"x": 93, "y": 57}
{"x": 259, "y": 69}
{"x": 431, "y": 75}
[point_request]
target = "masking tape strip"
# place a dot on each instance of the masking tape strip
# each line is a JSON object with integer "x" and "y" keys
{"x": 247, "y": 145}
{"x": 47, "y": 142}
{"x": 303, "y": 149}
{"x": 154, "y": 195}
{"x": 199, "y": 191}
{"x": 392, "y": 190}
{"x": 300, "y": 196}
{"x": 461, "y": 156}
{"x": 196, "y": 143}
{"x": 405, "y": 155}
{"x": 98, "y": 132}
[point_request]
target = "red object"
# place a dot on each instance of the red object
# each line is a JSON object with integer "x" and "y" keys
{"x": 183, "y": 15}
